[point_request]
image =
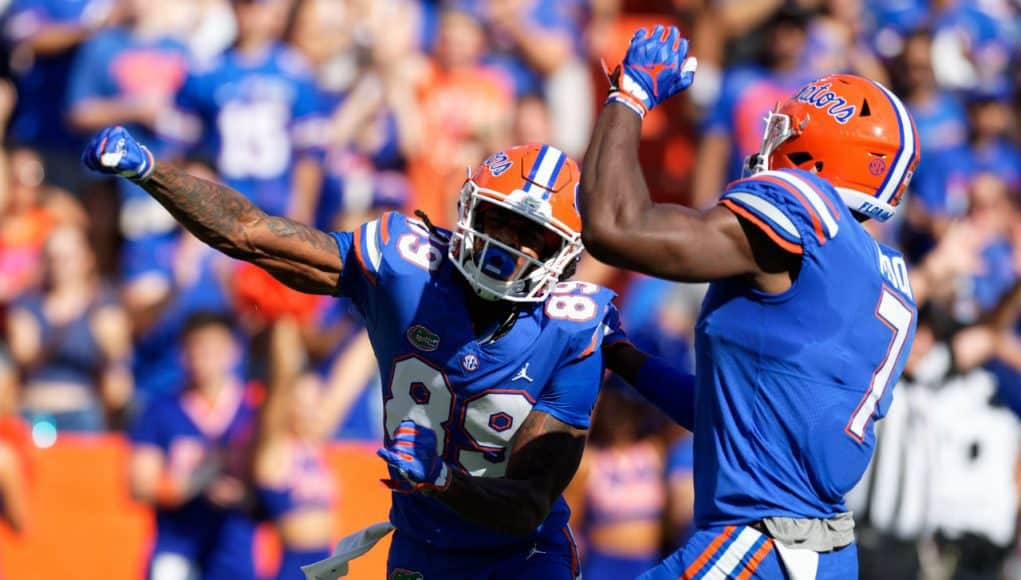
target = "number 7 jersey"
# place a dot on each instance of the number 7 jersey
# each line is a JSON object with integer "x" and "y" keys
{"x": 474, "y": 394}
{"x": 788, "y": 385}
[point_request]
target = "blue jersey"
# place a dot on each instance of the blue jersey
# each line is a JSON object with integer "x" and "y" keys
{"x": 42, "y": 81}
{"x": 189, "y": 431}
{"x": 474, "y": 394}
{"x": 252, "y": 112}
{"x": 788, "y": 385}
{"x": 117, "y": 64}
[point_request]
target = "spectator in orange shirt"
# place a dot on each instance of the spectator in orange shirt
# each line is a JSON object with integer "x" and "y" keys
{"x": 466, "y": 109}
{"x": 30, "y": 211}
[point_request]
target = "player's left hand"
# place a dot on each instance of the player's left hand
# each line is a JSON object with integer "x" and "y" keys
{"x": 114, "y": 151}
{"x": 655, "y": 67}
{"x": 412, "y": 452}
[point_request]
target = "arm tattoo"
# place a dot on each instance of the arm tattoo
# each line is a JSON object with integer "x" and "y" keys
{"x": 300, "y": 256}
{"x": 215, "y": 213}
{"x": 285, "y": 228}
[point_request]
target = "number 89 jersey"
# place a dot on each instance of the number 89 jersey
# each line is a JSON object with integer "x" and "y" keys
{"x": 474, "y": 395}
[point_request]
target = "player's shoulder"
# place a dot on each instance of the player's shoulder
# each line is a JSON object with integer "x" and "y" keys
{"x": 396, "y": 245}
{"x": 402, "y": 233}
{"x": 573, "y": 316}
{"x": 795, "y": 208}
{"x": 576, "y": 307}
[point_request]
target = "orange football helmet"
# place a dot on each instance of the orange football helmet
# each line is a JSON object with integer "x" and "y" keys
{"x": 539, "y": 183}
{"x": 853, "y": 132}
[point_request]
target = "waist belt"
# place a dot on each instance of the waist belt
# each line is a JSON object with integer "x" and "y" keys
{"x": 815, "y": 534}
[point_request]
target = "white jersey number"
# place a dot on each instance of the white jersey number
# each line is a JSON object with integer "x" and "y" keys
{"x": 422, "y": 393}
{"x": 254, "y": 140}
{"x": 569, "y": 302}
{"x": 897, "y": 316}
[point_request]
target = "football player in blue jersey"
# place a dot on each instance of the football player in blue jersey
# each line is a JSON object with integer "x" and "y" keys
{"x": 490, "y": 363}
{"x": 807, "y": 322}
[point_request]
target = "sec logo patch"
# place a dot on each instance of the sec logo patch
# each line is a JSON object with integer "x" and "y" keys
{"x": 470, "y": 362}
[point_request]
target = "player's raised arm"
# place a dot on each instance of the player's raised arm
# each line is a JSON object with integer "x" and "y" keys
{"x": 302, "y": 257}
{"x": 622, "y": 226}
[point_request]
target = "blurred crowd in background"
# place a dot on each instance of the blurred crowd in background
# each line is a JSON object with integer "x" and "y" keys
{"x": 333, "y": 111}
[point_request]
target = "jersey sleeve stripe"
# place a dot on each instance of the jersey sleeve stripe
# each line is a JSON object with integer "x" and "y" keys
{"x": 384, "y": 227}
{"x": 813, "y": 196}
{"x": 373, "y": 251}
{"x": 816, "y": 222}
{"x": 829, "y": 202}
{"x": 762, "y": 225}
{"x": 770, "y": 212}
{"x": 361, "y": 258}
{"x": 574, "y": 550}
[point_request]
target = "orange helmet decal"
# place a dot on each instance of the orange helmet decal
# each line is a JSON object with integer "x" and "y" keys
{"x": 853, "y": 132}
{"x": 539, "y": 172}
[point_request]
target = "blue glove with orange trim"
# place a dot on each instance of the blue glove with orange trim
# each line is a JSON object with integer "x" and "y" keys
{"x": 412, "y": 453}
{"x": 655, "y": 68}
{"x": 114, "y": 151}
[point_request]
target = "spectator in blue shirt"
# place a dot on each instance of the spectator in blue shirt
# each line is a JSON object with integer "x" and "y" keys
{"x": 44, "y": 36}
{"x": 129, "y": 76}
{"x": 732, "y": 128}
{"x": 252, "y": 102}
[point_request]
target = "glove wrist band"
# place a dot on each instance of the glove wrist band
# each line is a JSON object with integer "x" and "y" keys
{"x": 628, "y": 100}
{"x": 143, "y": 177}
